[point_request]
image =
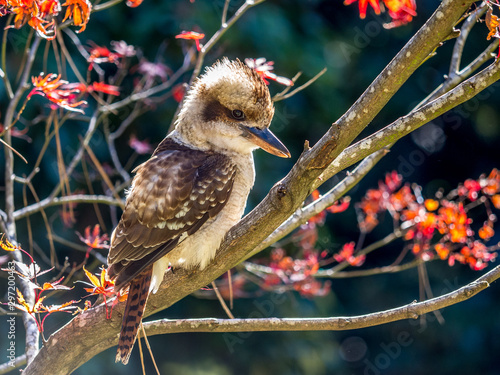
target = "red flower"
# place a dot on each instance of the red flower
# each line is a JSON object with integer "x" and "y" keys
{"x": 363, "y": 5}
{"x": 191, "y": 35}
{"x": 103, "y": 87}
{"x": 347, "y": 254}
{"x": 264, "y": 68}
{"x": 94, "y": 240}
{"x": 100, "y": 55}
{"x": 52, "y": 87}
{"x": 178, "y": 92}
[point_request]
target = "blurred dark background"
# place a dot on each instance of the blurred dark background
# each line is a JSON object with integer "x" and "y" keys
{"x": 301, "y": 36}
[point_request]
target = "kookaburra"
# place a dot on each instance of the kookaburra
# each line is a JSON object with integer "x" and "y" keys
{"x": 193, "y": 189}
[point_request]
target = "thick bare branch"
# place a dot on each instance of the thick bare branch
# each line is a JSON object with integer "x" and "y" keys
{"x": 410, "y": 311}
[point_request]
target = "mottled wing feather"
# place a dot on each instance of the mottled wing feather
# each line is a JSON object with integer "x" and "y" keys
{"x": 174, "y": 192}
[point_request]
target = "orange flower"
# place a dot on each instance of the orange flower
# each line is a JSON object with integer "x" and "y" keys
{"x": 487, "y": 231}
{"x": 496, "y": 201}
{"x": 491, "y": 184}
{"x": 50, "y": 7}
{"x": 431, "y": 204}
{"x": 442, "y": 251}
{"x": 100, "y": 55}
{"x": 191, "y": 35}
{"x": 79, "y": 11}
{"x": 492, "y": 22}
{"x": 401, "y": 12}
{"x": 363, "y": 5}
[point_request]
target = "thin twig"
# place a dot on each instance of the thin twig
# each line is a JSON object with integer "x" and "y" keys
{"x": 149, "y": 348}
{"x": 221, "y": 300}
{"x": 282, "y": 96}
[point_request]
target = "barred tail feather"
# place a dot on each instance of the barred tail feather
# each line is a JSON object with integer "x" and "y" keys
{"x": 134, "y": 310}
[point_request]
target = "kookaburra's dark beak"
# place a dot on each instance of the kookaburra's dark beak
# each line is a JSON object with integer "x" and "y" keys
{"x": 266, "y": 140}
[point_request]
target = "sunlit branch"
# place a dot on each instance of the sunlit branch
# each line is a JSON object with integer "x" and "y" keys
{"x": 57, "y": 201}
{"x": 409, "y": 311}
{"x": 465, "y": 30}
{"x": 372, "y": 271}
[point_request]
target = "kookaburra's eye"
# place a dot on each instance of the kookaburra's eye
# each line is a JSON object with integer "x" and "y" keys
{"x": 238, "y": 114}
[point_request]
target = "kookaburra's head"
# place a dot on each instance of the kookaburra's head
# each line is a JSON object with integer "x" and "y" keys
{"x": 229, "y": 110}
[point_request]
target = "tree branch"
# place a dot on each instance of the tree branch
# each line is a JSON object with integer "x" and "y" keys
{"x": 77, "y": 198}
{"x": 409, "y": 311}
{"x": 32, "y": 335}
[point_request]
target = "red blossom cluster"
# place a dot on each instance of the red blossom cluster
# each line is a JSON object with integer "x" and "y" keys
{"x": 400, "y": 11}
{"x": 438, "y": 227}
{"x": 299, "y": 272}
{"x": 119, "y": 50}
{"x": 346, "y": 254}
{"x": 385, "y": 198}
{"x": 296, "y": 272}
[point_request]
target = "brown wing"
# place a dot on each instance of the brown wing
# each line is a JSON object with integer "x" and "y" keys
{"x": 174, "y": 192}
